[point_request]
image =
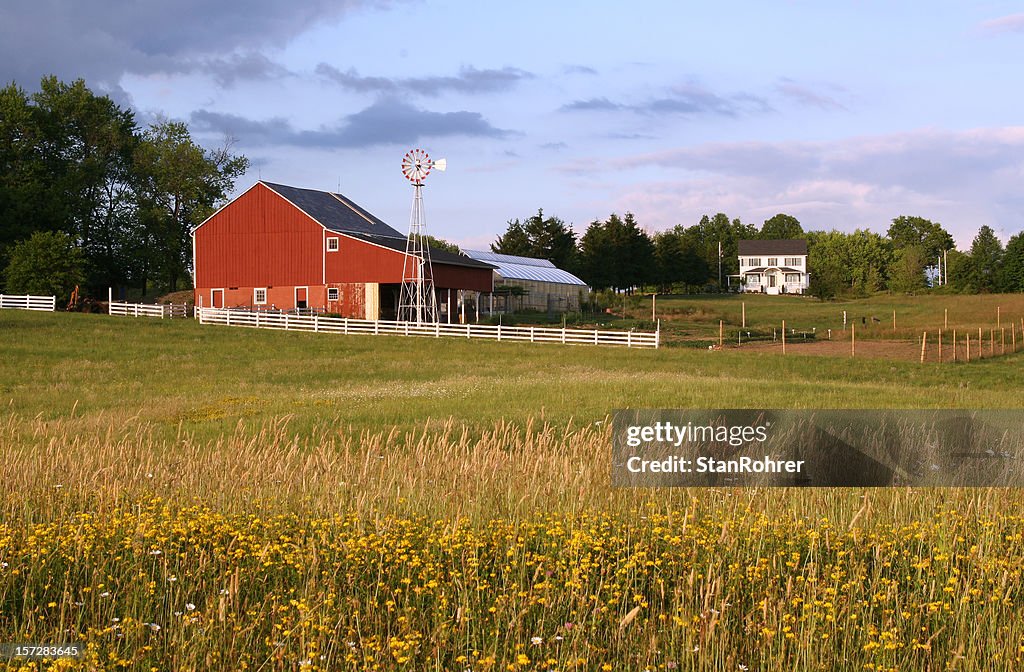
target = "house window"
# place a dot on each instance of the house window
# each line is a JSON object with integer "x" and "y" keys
{"x": 259, "y": 296}
{"x": 332, "y": 293}
{"x": 753, "y": 278}
{"x": 773, "y": 261}
{"x": 794, "y": 261}
{"x": 793, "y": 277}
{"x": 332, "y": 244}
{"x": 754, "y": 261}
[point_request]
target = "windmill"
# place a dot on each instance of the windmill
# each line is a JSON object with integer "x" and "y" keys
{"x": 417, "y": 302}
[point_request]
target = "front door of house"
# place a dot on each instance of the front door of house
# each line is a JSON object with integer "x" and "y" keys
{"x": 771, "y": 279}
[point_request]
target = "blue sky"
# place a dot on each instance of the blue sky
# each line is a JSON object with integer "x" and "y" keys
{"x": 844, "y": 114}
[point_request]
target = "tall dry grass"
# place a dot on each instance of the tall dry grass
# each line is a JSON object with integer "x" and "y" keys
{"x": 503, "y": 549}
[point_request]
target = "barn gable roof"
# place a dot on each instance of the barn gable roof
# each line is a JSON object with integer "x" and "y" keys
{"x": 794, "y": 246}
{"x": 437, "y": 256}
{"x": 333, "y": 211}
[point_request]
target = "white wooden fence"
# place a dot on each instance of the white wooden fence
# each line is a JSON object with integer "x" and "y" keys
{"x": 147, "y": 309}
{"x": 342, "y": 325}
{"x": 28, "y": 302}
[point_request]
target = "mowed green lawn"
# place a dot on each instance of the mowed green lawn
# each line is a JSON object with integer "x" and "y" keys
{"x": 95, "y": 371}
{"x": 873, "y": 316}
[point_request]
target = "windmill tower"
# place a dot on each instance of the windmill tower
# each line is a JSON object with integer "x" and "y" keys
{"x": 417, "y": 302}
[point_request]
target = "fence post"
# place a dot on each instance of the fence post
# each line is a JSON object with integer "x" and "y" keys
{"x": 924, "y": 338}
{"x": 531, "y": 334}
{"x": 135, "y": 309}
{"x": 316, "y": 322}
{"x": 629, "y": 338}
{"x": 499, "y": 331}
{"x": 595, "y": 337}
{"x": 376, "y": 327}
{"x": 257, "y": 319}
{"x": 286, "y": 321}
{"x": 468, "y": 333}
{"x": 563, "y": 335}
{"x": 227, "y": 317}
{"x": 437, "y": 330}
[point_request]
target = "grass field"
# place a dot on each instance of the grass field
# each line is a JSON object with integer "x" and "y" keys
{"x": 186, "y": 497}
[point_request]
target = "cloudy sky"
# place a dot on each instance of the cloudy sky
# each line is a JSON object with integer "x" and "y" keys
{"x": 844, "y": 113}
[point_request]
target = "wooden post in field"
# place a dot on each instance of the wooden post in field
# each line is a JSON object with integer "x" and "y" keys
{"x": 783, "y": 337}
{"x": 924, "y": 338}
{"x": 981, "y": 344}
{"x": 940, "y": 346}
{"x": 743, "y": 306}
{"x": 967, "y": 340}
{"x": 992, "y": 342}
{"x": 945, "y": 318}
{"x": 853, "y": 339}
{"x": 954, "y": 345}
{"x": 894, "y": 320}
{"x": 1002, "y": 341}
{"x": 1013, "y": 337}
{"x": 721, "y": 328}
{"x": 998, "y": 317}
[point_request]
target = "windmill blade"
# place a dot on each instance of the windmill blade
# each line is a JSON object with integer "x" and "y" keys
{"x": 441, "y": 164}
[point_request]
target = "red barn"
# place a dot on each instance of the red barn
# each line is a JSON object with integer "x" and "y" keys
{"x": 283, "y": 247}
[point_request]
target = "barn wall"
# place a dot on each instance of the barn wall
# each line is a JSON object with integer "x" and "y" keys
{"x": 359, "y": 261}
{"x": 462, "y": 277}
{"x": 259, "y": 240}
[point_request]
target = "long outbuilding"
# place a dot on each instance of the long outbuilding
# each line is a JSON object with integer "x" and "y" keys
{"x": 276, "y": 246}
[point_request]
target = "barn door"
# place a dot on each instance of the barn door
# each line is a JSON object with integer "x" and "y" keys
{"x": 217, "y": 298}
{"x": 301, "y": 298}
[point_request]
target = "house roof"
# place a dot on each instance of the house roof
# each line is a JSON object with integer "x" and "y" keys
{"x": 334, "y": 211}
{"x": 512, "y": 267}
{"x": 437, "y": 255}
{"x": 796, "y": 246}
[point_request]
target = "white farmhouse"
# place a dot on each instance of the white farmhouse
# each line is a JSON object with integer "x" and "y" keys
{"x": 773, "y": 266}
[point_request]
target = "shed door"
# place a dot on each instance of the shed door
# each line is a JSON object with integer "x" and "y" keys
{"x": 217, "y": 298}
{"x": 300, "y": 297}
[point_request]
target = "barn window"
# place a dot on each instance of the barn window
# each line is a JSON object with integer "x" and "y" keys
{"x": 332, "y": 244}
{"x": 259, "y": 296}
{"x": 332, "y": 293}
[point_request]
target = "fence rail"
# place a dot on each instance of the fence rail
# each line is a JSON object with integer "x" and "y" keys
{"x": 28, "y": 302}
{"x": 343, "y": 325}
{"x": 148, "y": 309}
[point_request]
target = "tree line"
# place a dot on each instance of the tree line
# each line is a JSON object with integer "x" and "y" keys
{"x": 618, "y": 254}
{"x": 89, "y": 198}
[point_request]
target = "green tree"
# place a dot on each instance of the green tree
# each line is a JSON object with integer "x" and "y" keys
{"x": 1012, "y": 271}
{"x": 906, "y": 272}
{"x": 441, "y": 244}
{"x": 986, "y": 255}
{"x": 781, "y": 227}
{"x": 716, "y": 233}
{"x": 677, "y": 261}
{"x": 181, "y": 185}
{"x": 617, "y": 254}
{"x": 540, "y": 237}
{"x": 47, "y": 263}
{"x": 514, "y": 241}
{"x": 929, "y": 237}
